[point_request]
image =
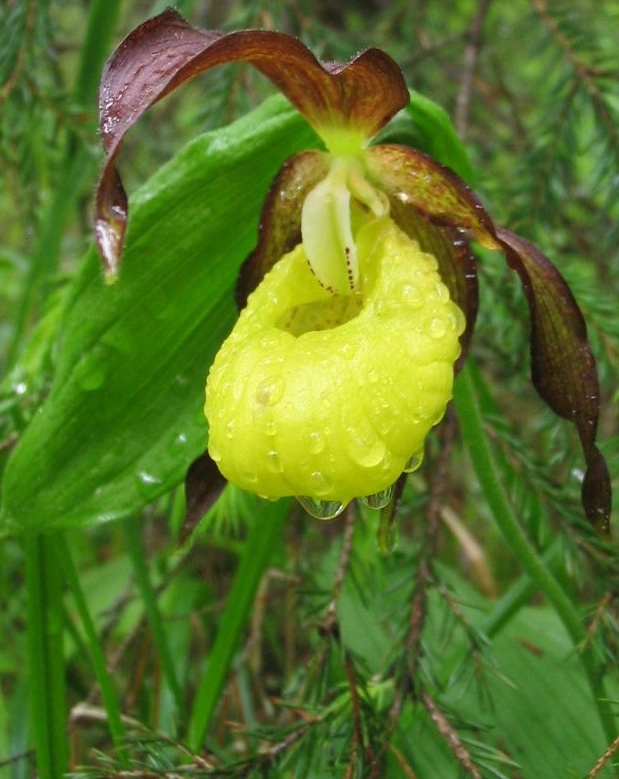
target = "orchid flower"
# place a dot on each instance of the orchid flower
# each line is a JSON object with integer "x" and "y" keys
{"x": 360, "y": 299}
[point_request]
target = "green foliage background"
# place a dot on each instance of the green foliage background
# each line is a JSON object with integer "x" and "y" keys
{"x": 270, "y": 644}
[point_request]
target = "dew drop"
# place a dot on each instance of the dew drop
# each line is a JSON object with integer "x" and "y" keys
{"x": 181, "y": 386}
{"x": 270, "y": 427}
{"x": 91, "y": 377}
{"x": 367, "y": 451}
{"x": 316, "y": 442}
{"x": 321, "y": 509}
{"x": 148, "y": 485}
{"x": 178, "y": 444}
{"x": 273, "y": 462}
{"x": 414, "y": 462}
{"x": 321, "y": 484}
{"x": 441, "y": 291}
{"x": 437, "y": 328}
{"x": 379, "y": 499}
{"x": 270, "y": 391}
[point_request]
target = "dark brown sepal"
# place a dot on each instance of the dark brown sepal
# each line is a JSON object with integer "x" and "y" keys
{"x": 563, "y": 368}
{"x": 164, "y": 52}
{"x": 203, "y": 485}
{"x": 418, "y": 181}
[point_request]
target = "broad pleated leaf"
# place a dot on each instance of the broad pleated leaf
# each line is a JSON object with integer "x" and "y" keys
{"x": 164, "y": 52}
{"x": 124, "y": 418}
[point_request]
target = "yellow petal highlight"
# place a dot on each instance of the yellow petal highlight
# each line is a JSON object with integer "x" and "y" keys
{"x": 329, "y": 396}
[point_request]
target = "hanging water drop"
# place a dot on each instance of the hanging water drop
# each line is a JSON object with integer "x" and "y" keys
{"x": 321, "y": 509}
{"x": 414, "y": 462}
{"x": 379, "y": 499}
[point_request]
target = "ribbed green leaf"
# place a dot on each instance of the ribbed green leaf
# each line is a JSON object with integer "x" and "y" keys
{"x": 124, "y": 418}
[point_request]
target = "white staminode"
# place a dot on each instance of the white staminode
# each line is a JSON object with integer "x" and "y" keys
{"x": 326, "y": 224}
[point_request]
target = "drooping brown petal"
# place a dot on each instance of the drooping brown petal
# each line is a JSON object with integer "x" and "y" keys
{"x": 457, "y": 264}
{"x": 280, "y": 221}
{"x": 420, "y": 182}
{"x": 203, "y": 485}
{"x": 562, "y": 364}
{"x": 166, "y": 51}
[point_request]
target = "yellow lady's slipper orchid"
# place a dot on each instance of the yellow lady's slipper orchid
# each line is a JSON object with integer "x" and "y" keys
{"x": 344, "y": 357}
{"x": 330, "y": 397}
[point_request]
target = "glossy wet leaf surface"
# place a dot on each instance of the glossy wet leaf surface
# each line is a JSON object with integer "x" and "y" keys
{"x": 124, "y": 419}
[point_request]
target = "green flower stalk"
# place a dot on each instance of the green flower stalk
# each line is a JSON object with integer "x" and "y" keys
{"x": 359, "y": 301}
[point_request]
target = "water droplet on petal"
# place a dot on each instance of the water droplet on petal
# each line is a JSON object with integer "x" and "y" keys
{"x": 441, "y": 291}
{"x": 320, "y": 483}
{"x": 316, "y": 442}
{"x": 270, "y": 391}
{"x": 414, "y": 462}
{"x": 214, "y": 452}
{"x": 437, "y": 328}
{"x": 379, "y": 499}
{"x": 366, "y": 449}
{"x": 270, "y": 427}
{"x": 273, "y": 462}
{"x": 321, "y": 509}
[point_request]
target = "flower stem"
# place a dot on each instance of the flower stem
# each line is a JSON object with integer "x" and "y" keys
{"x": 263, "y": 538}
{"x": 46, "y": 681}
{"x": 485, "y": 466}
{"x": 148, "y": 595}
{"x": 110, "y": 699}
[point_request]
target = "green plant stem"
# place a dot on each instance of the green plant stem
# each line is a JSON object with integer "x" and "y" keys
{"x": 46, "y": 681}
{"x": 106, "y": 686}
{"x": 267, "y": 522}
{"x": 148, "y": 595}
{"x": 487, "y": 472}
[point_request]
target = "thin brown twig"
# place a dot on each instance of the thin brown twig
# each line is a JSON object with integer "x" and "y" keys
{"x": 328, "y": 626}
{"x": 423, "y": 575}
{"x": 597, "y": 617}
{"x": 604, "y": 759}
{"x": 469, "y": 64}
{"x": 451, "y": 737}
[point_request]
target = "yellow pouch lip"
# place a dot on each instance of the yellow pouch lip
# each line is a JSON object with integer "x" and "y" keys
{"x": 335, "y": 413}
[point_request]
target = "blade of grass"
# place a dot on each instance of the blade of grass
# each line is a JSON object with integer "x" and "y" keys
{"x": 137, "y": 553}
{"x": 267, "y": 521}
{"x": 46, "y": 681}
{"x": 487, "y": 471}
{"x": 110, "y": 700}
